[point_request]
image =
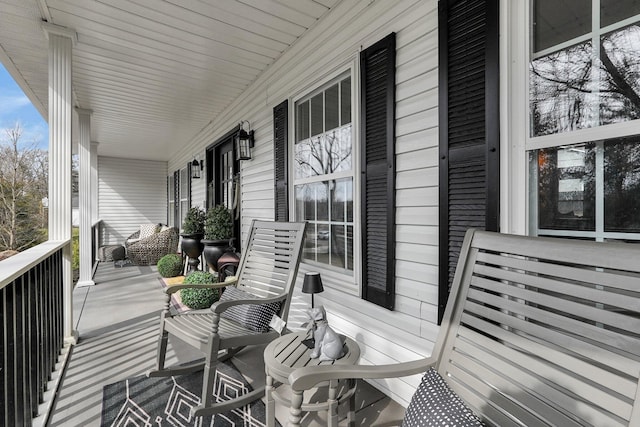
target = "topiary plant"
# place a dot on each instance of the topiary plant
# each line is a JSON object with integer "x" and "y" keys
{"x": 198, "y": 299}
{"x": 193, "y": 221}
{"x": 170, "y": 265}
{"x": 218, "y": 224}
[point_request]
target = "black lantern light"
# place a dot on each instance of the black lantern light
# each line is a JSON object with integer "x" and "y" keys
{"x": 196, "y": 167}
{"x": 244, "y": 142}
{"x": 312, "y": 284}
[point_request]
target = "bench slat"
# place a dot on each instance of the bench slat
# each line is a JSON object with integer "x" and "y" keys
{"x": 568, "y": 307}
{"x": 522, "y": 316}
{"x": 566, "y": 391}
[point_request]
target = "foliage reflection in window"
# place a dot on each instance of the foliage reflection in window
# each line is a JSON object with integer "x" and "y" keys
{"x": 568, "y": 179}
{"x": 583, "y": 76}
{"x": 323, "y": 171}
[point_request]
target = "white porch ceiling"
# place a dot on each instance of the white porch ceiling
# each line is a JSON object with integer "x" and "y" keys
{"x": 154, "y": 72}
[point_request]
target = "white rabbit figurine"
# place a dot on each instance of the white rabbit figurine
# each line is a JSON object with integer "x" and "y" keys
{"x": 328, "y": 344}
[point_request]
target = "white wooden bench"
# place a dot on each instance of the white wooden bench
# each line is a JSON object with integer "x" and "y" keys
{"x": 537, "y": 332}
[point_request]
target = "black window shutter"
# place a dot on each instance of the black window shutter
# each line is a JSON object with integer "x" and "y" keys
{"x": 377, "y": 79}
{"x": 189, "y": 179}
{"x": 281, "y": 196}
{"x": 176, "y": 200}
{"x": 469, "y": 128}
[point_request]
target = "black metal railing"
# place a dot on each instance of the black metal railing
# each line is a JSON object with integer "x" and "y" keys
{"x": 31, "y": 330}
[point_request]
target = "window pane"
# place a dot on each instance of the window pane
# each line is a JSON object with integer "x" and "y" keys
{"x": 556, "y": 22}
{"x": 338, "y": 246}
{"x": 566, "y": 188}
{"x": 620, "y": 76}
{"x": 345, "y": 101}
{"x": 328, "y": 153}
{"x": 331, "y": 108}
{"x": 612, "y": 11}
{"x": 316, "y": 115}
{"x": 311, "y": 202}
{"x": 302, "y": 121}
{"x": 184, "y": 184}
{"x": 622, "y": 185}
{"x": 562, "y": 91}
{"x": 342, "y": 200}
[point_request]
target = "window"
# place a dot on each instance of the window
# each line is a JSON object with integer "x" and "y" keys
{"x": 324, "y": 173}
{"x": 171, "y": 189}
{"x": 584, "y": 106}
{"x": 184, "y": 193}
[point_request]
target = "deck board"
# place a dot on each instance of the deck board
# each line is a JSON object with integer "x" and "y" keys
{"x": 117, "y": 320}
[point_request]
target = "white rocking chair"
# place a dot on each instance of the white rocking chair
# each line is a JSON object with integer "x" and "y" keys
{"x": 263, "y": 286}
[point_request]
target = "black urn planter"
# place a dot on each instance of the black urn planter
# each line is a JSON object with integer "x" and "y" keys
{"x": 192, "y": 247}
{"x": 213, "y": 250}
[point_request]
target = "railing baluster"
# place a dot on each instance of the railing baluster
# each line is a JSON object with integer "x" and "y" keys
{"x": 31, "y": 337}
{"x": 3, "y": 363}
{"x": 10, "y": 356}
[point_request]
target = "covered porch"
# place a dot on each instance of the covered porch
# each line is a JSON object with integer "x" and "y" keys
{"x": 123, "y": 345}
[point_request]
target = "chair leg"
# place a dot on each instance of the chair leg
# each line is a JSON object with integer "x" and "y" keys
{"x": 162, "y": 350}
{"x": 209, "y": 375}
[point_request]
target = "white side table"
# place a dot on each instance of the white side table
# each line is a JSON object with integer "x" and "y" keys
{"x": 286, "y": 354}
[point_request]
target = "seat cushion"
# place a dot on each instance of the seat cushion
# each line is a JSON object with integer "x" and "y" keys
{"x": 252, "y": 316}
{"x": 148, "y": 230}
{"x": 435, "y": 405}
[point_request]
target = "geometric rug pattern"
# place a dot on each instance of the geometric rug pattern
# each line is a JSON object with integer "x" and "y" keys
{"x": 167, "y": 401}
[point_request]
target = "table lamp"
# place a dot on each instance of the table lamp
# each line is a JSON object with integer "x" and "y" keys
{"x": 312, "y": 284}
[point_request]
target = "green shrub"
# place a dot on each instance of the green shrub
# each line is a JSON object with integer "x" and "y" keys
{"x": 218, "y": 224}
{"x": 198, "y": 299}
{"x": 170, "y": 265}
{"x": 193, "y": 221}
{"x": 75, "y": 248}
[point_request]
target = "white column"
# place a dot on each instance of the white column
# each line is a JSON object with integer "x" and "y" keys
{"x": 61, "y": 42}
{"x": 95, "y": 213}
{"x": 84, "y": 193}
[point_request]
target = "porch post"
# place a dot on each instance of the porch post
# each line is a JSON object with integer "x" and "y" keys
{"x": 84, "y": 182}
{"x": 94, "y": 183}
{"x": 61, "y": 42}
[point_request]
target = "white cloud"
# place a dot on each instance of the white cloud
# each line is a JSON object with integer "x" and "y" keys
{"x": 10, "y": 103}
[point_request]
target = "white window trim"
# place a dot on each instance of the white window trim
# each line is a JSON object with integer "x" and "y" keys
{"x": 332, "y": 277}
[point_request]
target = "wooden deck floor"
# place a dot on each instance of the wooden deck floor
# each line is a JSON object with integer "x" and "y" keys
{"x": 117, "y": 320}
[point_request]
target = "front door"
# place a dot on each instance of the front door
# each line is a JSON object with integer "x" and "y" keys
{"x": 223, "y": 186}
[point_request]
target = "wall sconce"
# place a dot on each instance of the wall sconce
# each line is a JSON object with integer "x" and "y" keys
{"x": 244, "y": 142}
{"x": 196, "y": 167}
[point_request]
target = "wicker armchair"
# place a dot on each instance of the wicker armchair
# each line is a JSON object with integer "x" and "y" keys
{"x": 149, "y": 250}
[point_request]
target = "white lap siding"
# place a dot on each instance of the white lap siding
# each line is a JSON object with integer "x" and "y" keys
{"x": 132, "y": 192}
{"x": 384, "y": 336}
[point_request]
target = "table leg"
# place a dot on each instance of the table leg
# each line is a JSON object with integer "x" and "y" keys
{"x": 332, "y": 402}
{"x": 295, "y": 413}
{"x": 270, "y": 404}
{"x": 351, "y": 417}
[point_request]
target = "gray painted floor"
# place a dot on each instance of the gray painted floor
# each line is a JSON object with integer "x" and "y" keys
{"x": 117, "y": 320}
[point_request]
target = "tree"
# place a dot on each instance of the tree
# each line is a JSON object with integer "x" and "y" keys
{"x": 23, "y": 186}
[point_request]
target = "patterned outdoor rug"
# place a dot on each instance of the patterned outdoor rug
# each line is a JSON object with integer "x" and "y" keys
{"x": 166, "y": 401}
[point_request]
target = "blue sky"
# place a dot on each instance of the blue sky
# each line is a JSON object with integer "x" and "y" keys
{"x": 16, "y": 107}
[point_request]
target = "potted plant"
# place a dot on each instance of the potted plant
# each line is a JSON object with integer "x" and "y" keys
{"x": 198, "y": 299}
{"x": 218, "y": 228}
{"x": 192, "y": 232}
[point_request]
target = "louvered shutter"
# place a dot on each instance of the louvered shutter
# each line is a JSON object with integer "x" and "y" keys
{"x": 469, "y": 126}
{"x": 189, "y": 182}
{"x": 176, "y": 200}
{"x": 281, "y": 200}
{"x": 377, "y": 68}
